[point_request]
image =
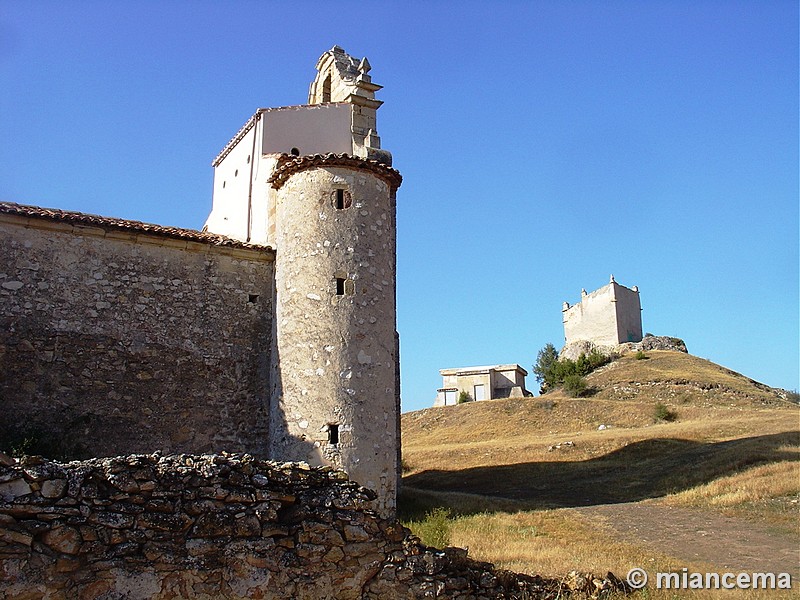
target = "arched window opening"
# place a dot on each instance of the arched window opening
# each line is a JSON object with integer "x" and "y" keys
{"x": 326, "y": 89}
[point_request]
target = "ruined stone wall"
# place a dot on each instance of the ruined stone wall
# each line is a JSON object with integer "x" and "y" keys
{"x": 114, "y": 342}
{"x": 222, "y": 527}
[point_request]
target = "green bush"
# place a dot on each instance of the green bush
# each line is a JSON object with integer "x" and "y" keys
{"x": 575, "y": 385}
{"x": 464, "y": 397}
{"x": 663, "y": 413}
{"x": 551, "y": 372}
{"x": 596, "y": 359}
{"x": 434, "y": 528}
{"x": 640, "y": 355}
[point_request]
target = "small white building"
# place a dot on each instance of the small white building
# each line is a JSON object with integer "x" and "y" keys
{"x": 608, "y": 316}
{"x": 482, "y": 383}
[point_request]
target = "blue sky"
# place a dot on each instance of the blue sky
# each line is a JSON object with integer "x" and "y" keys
{"x": 544, "y": 146}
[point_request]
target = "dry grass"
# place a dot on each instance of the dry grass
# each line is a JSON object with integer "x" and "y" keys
{"x": 679, "y": 377}
{"x": 734, "y": 447}
{"x": 711, "y": 403}
{"x": 757, "y": 484}
{"x": 552, "y": 543}
{"x": 769, "y": 494}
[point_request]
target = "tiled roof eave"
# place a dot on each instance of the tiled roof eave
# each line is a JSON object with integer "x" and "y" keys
{"x": 288, "y": 165}
{"x": 112, "y": 223}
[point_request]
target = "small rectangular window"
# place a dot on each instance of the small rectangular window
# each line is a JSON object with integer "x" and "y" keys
{"x": 340, "y": 286}
{"x": 341, "y": 198}
{"x": 333, "y": 434}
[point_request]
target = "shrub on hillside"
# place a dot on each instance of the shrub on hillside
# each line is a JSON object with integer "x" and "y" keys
{"x": 575, "y": 385}
{"x": 663, "y": 413}
{"x": 464, "y": 397}
{"x": 551, "y": 372}
{"x": 640, "y": 355}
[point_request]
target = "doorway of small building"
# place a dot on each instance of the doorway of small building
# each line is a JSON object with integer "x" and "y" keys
{"x": 450, "y": 397}
{"x": 480, "y": 393}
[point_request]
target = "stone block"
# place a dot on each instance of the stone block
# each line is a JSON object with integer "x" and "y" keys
{"x": 65, "y": 539}
{"x": 16, "y": 488}
{"x": 54, "y": 488}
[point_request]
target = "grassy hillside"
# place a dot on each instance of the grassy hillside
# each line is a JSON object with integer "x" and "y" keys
{"x": 511, "y": 471}
{"x": 712, "y": 405}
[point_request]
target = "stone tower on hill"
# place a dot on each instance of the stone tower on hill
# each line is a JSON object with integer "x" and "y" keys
{"x": 272, "y": 331}
{"x": 608, "y": 316}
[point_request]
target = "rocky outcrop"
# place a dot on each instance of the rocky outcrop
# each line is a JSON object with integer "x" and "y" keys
{"x": 221, "y": 526}
{"x": 650, "y": 342}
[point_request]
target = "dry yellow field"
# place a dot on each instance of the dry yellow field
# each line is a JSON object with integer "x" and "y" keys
{"x": 518, "y": 475}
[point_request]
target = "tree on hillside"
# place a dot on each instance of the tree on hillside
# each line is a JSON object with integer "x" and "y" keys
{"x": 546, "y": 366}
{"x": 550, "y": 371}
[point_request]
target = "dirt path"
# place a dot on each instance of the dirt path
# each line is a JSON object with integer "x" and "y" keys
{"x": 697, "y": 535}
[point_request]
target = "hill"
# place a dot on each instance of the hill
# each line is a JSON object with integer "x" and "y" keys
{"x": 710, "y": 404}
{"x": 731, "y": 444}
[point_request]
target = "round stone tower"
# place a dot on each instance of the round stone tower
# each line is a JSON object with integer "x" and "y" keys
{"x": 335, "y": 397}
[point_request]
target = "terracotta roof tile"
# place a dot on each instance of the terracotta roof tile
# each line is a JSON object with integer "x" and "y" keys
{"x": 288, "y": 164}
{"x": 77, "y": 218}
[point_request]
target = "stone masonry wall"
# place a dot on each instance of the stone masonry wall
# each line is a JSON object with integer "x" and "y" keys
{"x": 113, "y": 343}
{"x": 219, "y": 526}
{"x": 335, "y": 318}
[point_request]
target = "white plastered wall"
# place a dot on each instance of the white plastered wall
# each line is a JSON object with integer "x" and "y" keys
{"x": 232, "y": 177}
{"x": 243, "y": 212}
{"x": 313, "y": 129}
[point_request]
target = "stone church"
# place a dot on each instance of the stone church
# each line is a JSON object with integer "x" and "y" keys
{"x": 271, "y": 331}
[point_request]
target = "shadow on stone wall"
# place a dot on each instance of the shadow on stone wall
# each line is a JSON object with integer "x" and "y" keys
{"x": 74, "y": 395}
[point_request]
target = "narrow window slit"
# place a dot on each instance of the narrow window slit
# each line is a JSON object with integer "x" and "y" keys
{"x": 333, "y": 434}
{"x": 326, "y": 89}
{"x": 341, "y": 199}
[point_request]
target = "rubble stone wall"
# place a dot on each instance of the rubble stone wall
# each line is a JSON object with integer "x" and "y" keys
{"x": 115, "y": 343}
{"x": 218, "y": 526}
